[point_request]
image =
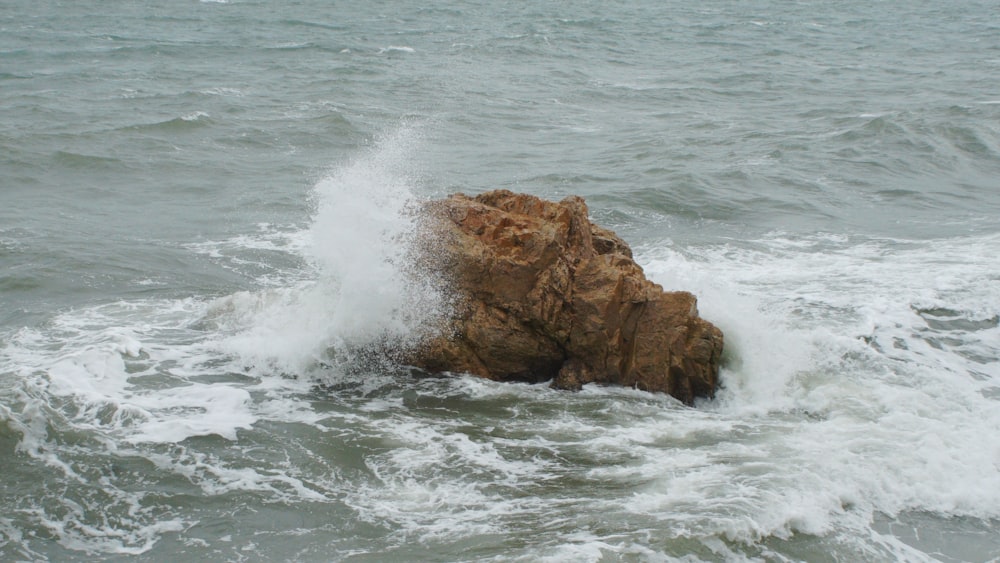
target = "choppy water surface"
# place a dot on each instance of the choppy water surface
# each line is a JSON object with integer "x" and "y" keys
{"x": 203, "y": 217}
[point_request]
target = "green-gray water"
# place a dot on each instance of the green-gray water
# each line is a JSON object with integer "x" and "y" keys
{"x": 201, "y": 209}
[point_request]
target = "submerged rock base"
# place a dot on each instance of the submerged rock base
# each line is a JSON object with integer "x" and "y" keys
{"x": 542, "y": 293}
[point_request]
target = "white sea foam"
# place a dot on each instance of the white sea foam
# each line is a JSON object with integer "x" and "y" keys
{"x": 860, "y": 379}
{"x": 419, "y": 486}
{"x": 219, "y": 91}
{"x": 136, "y": 377}
{"x": 194, "y": 116}
{"x": 869, "y": 366}
{"x": 90, "y": 360}
{"x": 839, "y": 405}
{"x": 362, "y": 294}
{"x": 397, "y": 49}
{"x": 130, "y": 379}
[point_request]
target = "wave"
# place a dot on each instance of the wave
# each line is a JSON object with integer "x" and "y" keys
{"x": 128, "y": 379}
{"x": 860, "y": 376}
{"x": 86, "y": 161}
{"x": 188, "y": 122}
{"x": 877, "y": 359}
{"x": 319, "y": 25}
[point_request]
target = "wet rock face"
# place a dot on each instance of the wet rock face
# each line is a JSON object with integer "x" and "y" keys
{"x": 542, "y": 293}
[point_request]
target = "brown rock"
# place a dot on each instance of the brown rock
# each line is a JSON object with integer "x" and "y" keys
{"x": 542, "y": 293}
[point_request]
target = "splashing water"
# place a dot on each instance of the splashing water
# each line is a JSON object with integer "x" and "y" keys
{"x": 136, "y": 380}
{"x": 861, "y": 378}
{"x": 368, "y": 297}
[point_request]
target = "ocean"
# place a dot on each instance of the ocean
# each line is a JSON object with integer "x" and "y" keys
{"x": 204, "y": 215}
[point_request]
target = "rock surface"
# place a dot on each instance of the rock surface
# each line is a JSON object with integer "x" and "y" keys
{"x": 542, "y": 293}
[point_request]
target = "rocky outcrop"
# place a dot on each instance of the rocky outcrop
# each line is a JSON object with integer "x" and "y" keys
{"x": 542, "y": 293}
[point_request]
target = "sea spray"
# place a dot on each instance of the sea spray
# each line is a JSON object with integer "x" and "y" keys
{"x": 369, "y": 299}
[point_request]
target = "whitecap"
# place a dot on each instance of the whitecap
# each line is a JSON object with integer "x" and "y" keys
{"x": 194, "y": 116}
{"x": 222, "y": 91}
{"x": 396, "y": 49}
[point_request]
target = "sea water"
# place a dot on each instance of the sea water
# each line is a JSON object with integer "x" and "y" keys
{"x": 205, "y": 211}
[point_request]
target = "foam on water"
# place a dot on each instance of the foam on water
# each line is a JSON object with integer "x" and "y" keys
{"x": 358, "y": 295}
{"x": 152, "y": 152}
{"x": 91, "y": 369}
{"x": 132, "y": 377}
{"x": 860, "y": 381}
{"x": 861, "y": 378}
{"x": 88, "y": 399}
{"x": 870, "y": 364}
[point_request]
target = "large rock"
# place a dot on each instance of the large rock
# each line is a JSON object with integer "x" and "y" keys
{"x": 542, "y": 293}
